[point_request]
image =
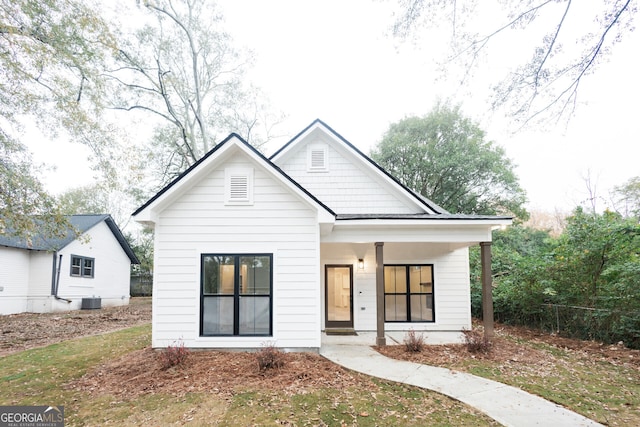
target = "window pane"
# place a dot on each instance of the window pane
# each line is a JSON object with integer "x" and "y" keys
{"x": 395, "y": 279}
{"x": 254, "y": 316}
{"x": 88, "y": 268}
{"x": 420, "y": 279}
{"x": 218, "y": 273}
{"x": 217, "y": 316}
{"x": 395, "y": 308}
{"x": 255, "y": 275}
{"x": 75, "y": 266}
{"x": 421, "y": 308}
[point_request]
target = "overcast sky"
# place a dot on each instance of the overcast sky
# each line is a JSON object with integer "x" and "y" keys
{"x": 334, "y": 60}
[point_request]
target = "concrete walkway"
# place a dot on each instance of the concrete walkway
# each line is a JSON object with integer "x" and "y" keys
{"x": 508, "y": 405}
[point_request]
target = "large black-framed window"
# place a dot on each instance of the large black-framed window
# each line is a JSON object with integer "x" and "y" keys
{"x": 236, "y": 294}
{"x": 408, "y": 293}
{"x": 82, "y": 266}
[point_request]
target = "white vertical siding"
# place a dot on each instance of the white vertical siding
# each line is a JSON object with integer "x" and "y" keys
{"x": 278, "y": 222}
{"x": 40, "y": 276}
{"x": 344, "y": 187}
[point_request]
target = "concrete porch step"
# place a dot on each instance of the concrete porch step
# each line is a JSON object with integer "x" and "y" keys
{"x": 340, "y": 331}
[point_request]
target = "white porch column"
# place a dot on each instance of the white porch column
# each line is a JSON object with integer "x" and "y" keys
{"x": 487, "y": 290}
{"x": 380, "y": 338}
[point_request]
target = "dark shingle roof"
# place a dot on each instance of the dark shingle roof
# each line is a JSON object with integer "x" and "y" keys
{"x": 79, "y": 223}
{"x": 421, "y": 216}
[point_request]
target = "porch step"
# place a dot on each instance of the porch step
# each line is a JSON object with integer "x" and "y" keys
{"x": 340, "y": 331}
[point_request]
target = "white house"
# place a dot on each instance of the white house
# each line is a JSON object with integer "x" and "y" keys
{"x": 250, "y": 249}
{"x": 57, "y": 274}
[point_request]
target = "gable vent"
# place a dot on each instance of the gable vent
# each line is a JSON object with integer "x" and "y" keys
{"x": 317, "y": 158}
{"x": 239, "y": 186}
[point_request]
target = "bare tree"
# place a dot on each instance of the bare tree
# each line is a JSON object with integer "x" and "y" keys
{"x": 181, "y": 67}
{"x": 573, "y": 38}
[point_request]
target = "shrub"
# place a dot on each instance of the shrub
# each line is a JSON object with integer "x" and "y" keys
{"x": 475, "y": 341}
{"x": 270, "y": 357}
{"x": 413, "y": 342}
{"x": 174, "y": 355}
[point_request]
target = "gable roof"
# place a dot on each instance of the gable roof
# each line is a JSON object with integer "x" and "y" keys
{"x": 79, "y": 225}
{"x": 418, "y": 198}
{"x": 231, "y": 139}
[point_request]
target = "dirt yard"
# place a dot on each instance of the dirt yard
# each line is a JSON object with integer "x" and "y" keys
{"x": 506, "y": 350}
{"x": 28, "y": 330}
{"x": 141, "y": 372}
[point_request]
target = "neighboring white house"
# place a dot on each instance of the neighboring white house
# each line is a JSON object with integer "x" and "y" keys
{"x": 251, "y": 250}
{"x": 56, "y": 274}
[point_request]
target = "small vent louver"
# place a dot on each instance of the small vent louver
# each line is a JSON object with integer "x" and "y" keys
{"x": 317, "y": 157}
{"x": 239, "y": 187}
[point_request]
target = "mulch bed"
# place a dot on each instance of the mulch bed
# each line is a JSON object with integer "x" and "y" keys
{"x": 220, "y": 372}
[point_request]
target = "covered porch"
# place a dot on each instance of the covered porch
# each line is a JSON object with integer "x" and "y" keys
{"x": 382, "y": 281}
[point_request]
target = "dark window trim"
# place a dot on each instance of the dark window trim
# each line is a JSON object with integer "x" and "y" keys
{"x": 82, "y": 260}
{"x": 408, "y": 294}
{"x": 236, "y": 294}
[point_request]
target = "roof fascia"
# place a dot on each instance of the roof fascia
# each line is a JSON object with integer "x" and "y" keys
{"x": 144, "y": 213}
{"x": 148, "y": 212}
{"x": 365, "y": 160}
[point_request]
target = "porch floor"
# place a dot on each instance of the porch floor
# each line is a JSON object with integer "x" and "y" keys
{"x": 393, "y": 338}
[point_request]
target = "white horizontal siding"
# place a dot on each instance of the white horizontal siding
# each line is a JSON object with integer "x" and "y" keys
{"x": 111, "y": 280}
{"x": 344, "y": 187}
{"x": 451, "y": 282}
{"x": 278, "y": 222}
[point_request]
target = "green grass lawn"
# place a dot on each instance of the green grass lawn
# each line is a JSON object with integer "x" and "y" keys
{"x": 44, "y": 376}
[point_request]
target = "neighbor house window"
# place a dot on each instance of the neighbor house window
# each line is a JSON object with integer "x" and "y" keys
{"x": 82, "y": 266}
{"x": 236, "y": 294}
{"x": 408, "y": 293}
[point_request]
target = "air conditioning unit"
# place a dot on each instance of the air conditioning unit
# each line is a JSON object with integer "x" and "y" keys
{"x": 91, "y": 303}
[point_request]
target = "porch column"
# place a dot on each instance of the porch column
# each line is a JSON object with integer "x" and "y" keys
{"x": 380, "y": 339}
{"x": 487, "y": 290}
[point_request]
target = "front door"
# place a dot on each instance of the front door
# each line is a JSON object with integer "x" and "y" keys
{"x": 339, "y": 296}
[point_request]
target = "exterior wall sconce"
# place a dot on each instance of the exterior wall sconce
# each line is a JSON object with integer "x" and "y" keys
{"x": 360, "y": 264}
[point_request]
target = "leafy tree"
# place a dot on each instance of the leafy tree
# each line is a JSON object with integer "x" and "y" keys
{"x": 88, "y": 199}
{"x": 547, "y": 82}
{"x": 444, "y": 156}
{"x": 591, "y": 245}
{"x": 519, "y": 259}
{"x": 627, "y": 197}
{"x": 589, "y": 275}
{"x": 51, "y": 53}
{"x": 25, "y": 207}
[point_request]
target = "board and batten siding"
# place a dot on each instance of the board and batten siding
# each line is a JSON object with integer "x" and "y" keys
{"x": 452, "y": 292}
{"x": 278, "y": 222}
{"x": 14, "y": 280}
{"x": 344, "y": 187}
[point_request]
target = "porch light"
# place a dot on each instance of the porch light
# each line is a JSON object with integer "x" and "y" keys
{"x": 360, "y": 264}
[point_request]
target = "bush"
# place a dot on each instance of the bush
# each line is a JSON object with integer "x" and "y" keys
{"x": 174, "y": 355}
{"x": 270, "y": 357}
{"x": 413, "y": 342}
{"x": 475, "y": 341}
